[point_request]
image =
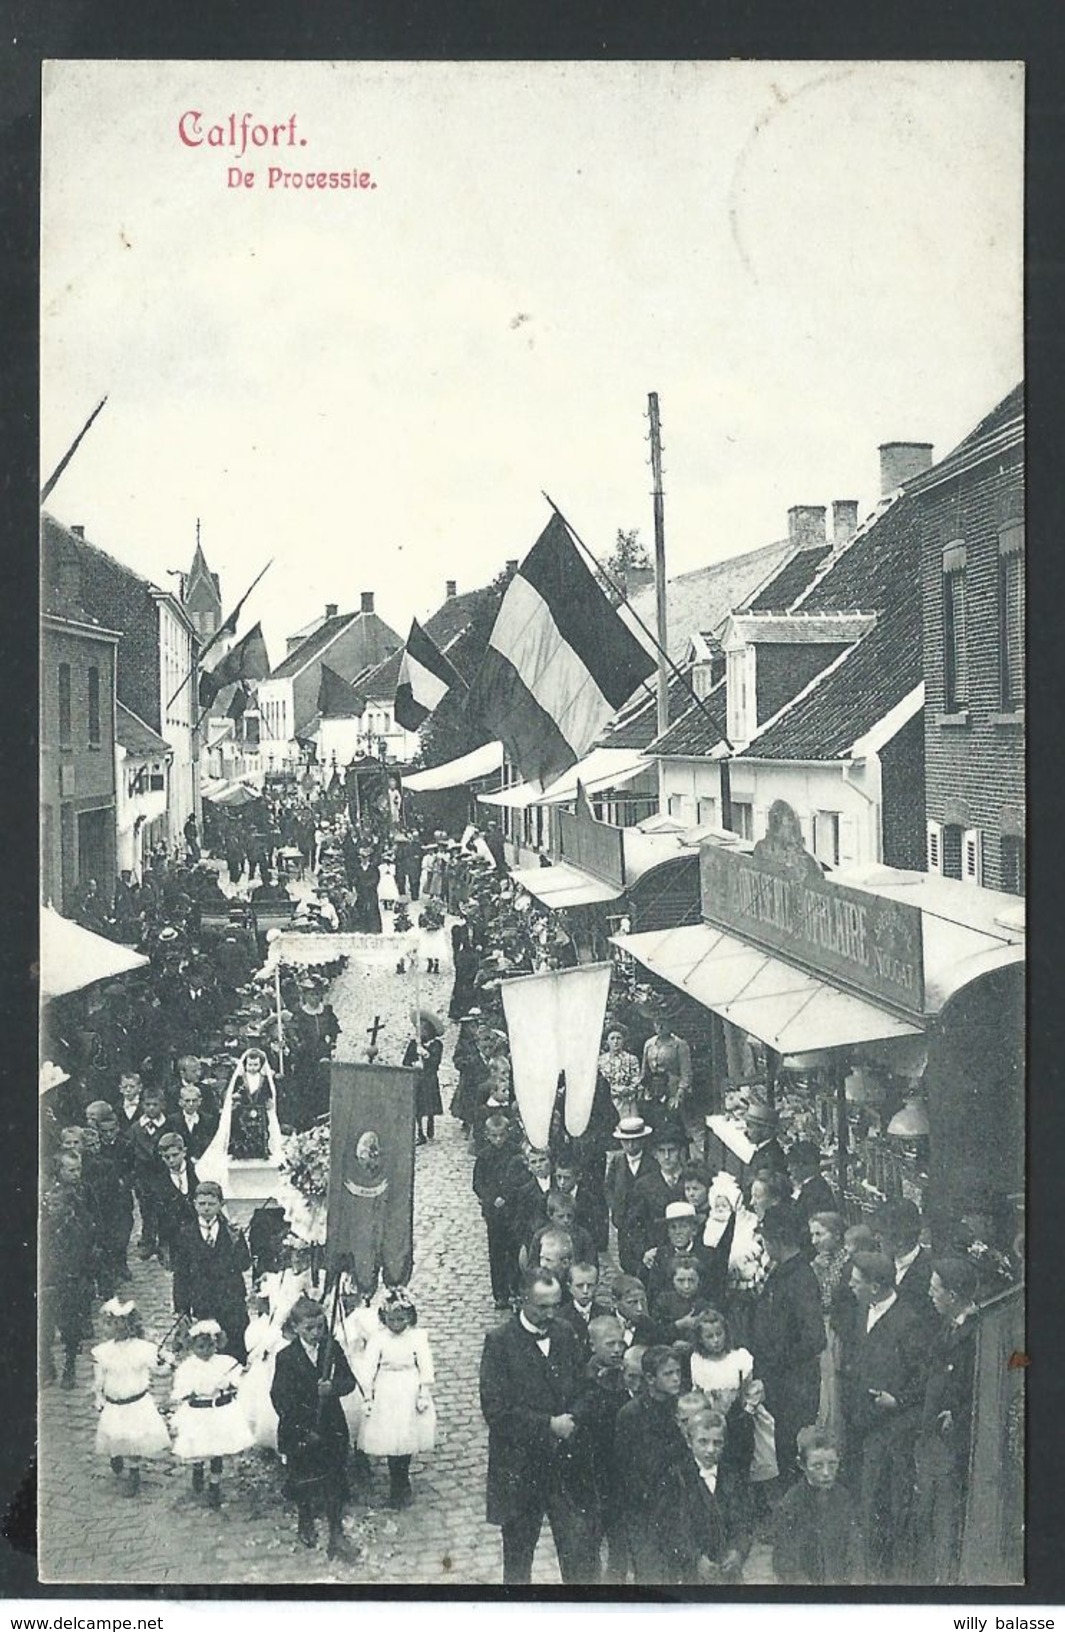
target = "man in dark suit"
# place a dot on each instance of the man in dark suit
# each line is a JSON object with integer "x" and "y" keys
{"x": 311, "y": 1376}
{"x": 530, "y": 1375}
{"x": 898, "y": 1229}
{"x": 882, "y": 1386}
{"x": 659, "y": 1183}
{"x": 760, "y": 1124}
{"x": 704, "y": 1515}
{"x": 788, "y": 1335}
{"x": 944, "y": 1437}
{"x": 624, "y": 1168}
{"x": 812, "y": 1191}
{"x": 209, "y": 1259}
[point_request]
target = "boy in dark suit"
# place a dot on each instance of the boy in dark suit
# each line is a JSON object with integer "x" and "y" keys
{"x": 817, "y": 1537}
{"x": 311, "y": 1376}
{"x": 210, "y": 1257}
{"x": 496, "y": 1172}
{"x": 143, "y": 1134}
{"x": 704, "y": 1514}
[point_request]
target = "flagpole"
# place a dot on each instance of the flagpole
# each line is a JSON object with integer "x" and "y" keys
{"x": 71, "y": 451}
{"x": 280, "y": 1028}
{"x": 723, "y": 764}
{"x": 660, "y": 561}
{"x": 216, "y": 637}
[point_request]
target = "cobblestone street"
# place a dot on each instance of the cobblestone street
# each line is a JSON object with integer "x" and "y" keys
{"x": 89, "y": 1532}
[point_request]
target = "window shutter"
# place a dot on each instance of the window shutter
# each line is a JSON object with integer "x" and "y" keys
{"x": 972, "y": 856}
{"x": 934, "y": 859}
{"x": 848, "y": 840}
{"x": 760, "y": 822}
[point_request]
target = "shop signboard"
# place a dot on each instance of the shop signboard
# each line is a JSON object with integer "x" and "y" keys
{"x": 778, "y": 898}
{"x": 594, "y": 846}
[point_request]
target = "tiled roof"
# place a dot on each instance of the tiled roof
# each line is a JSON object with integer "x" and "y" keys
{"x": 999, "y": 432}
{"x": 309, "y": 649}
{"x": 700, "y": 601}
{"x": 879, "y": 571}
{"x": 789, "y": 581}
{"x": 447, "y": 624}
{"x": 694, "y": 733}
{"x": 135, "y": 736}
{"x": 637, "y": 725}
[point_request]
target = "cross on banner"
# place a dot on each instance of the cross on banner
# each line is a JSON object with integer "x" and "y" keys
{"x": 371, "y": 1032}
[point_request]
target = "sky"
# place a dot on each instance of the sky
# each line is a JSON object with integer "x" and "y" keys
{"x": 375, "y": 386}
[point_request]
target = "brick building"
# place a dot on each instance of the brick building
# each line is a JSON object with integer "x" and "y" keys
{"x": 158, "y": 644}
{"x": 820, "y": 704}
{"x": 971, "y": 518}
{"x": 77, "y": 755}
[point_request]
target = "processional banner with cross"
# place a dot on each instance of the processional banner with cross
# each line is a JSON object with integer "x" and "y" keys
{"x": 370, "y": 1228}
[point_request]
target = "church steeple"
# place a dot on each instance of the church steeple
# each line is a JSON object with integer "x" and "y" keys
{"x": 201, "y": 593}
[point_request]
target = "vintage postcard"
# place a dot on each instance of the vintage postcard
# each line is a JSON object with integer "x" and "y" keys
{"x": 532, "y": 825}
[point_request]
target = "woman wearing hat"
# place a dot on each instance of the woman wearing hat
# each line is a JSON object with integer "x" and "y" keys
{"x": 666, "y": 1074}
{"x": 424, "y": 1051}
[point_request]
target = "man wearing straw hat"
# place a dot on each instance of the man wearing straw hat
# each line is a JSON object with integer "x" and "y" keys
{"x": 628, "y": 1162}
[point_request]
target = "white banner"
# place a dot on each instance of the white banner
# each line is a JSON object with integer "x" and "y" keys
{"x": 555, "y": 1023}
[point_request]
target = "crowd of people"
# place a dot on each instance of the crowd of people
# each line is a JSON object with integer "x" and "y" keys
{"x": 687, "y": 1362}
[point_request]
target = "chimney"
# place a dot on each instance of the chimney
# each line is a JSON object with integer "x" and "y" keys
{"x": 900, "y": 461}
{"x": 450, "y": 589}
{"x": 806, "y": 524}
{"x": 512, "y": 566}
{"x": 844, "y": 519}
{"x": 367, "y": 601}
{"x": 330, "y": 609}
{"x": 78, "y": 530}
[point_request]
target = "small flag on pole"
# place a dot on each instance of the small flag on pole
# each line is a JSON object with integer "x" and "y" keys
{"x": 337, "y": 699}
{"x": 247, "y": 660}
{"x": 560, "y": 661}
{"x": 425, "y": 678}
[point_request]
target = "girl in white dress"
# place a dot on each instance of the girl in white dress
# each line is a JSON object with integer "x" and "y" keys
{"x": 130, "y": 1426}
{"x": 401, "y": 1419}
{"x": 724, "y": 1373}
{"x": 209, "y": 1422}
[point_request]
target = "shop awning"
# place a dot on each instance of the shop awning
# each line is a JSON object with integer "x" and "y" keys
{"x": 564, "y": 886}
{"x": 73, "y": 957}
{"x": 457, "y": 772}
{"x": 785, "y": 1007}
{"x": 603, "y": 768}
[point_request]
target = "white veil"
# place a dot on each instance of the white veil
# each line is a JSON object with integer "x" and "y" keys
{"x": 214, "y": 1163}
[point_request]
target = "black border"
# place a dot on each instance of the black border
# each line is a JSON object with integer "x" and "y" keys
{"x": 472, "y": 30}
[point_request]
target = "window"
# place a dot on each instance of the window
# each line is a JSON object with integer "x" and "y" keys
{"x": 94, "y": 707}
{"x": 157, "y": 779}
{"x": 743, "y": 819}
{"x": 955, "y": 659}
{"x": 934, "y": 847}
{"x": 826, "y": 836}
{"x": 64, "y": 705}
{"x": 972, "y": 856}
{"x": 952, "y": 851}
{"x": 736, "y": 694}
{"x": 1012, "y": 863}
{"x": 1011, "y": 617}
{"x": 706, "y": 812}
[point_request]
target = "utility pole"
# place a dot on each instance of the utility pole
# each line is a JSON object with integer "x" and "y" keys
{"x": 660, "y": 562}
